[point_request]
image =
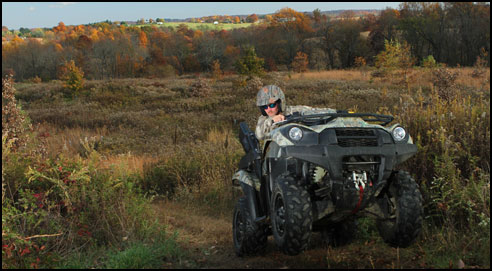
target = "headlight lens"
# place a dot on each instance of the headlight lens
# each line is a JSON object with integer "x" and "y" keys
{"x": 295, "y": 133}
{"x": 399, "y": 133}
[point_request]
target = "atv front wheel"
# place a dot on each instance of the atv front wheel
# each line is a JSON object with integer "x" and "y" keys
{"x": 403, "y": 203}
{"x": 291, "y": 215}
{"x": 249, "y": 238}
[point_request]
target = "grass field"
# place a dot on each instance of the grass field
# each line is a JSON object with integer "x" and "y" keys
{"x": 97, "y": 160}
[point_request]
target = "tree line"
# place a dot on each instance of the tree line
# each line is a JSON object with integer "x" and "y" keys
{"x": 454, "y": 33}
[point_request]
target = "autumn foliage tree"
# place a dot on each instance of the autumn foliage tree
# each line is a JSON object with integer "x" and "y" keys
{"x": 253, "y": 18}
{"x": 453, "y": 33}
{"x": 300, "y": 62}
{"x": 293, "y": 20}
{"x": 250, "y": 64}
{"x": 396, "y": 59}
{"x": 72, "y": 76}
{"x": 216, "y": 71}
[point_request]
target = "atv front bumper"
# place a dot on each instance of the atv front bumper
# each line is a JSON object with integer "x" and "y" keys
{"x": 331, "y": 157}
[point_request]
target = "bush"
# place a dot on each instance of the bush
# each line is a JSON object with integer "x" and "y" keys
{"x": 394, "y": 56}
{"x": 453, "y": 139}
{"x": 200, "y": 88}
{"x": 158, "y": 179}
{"x": 429, "y": 62}
{"x": 395, "y": 60}
{"x": 300, "y": 62}
{"x": 72, "y": 76}
{"x": 480, "y": 66}
{"x": 250, "y": 64}
{"x": 254, "y": 84}
{"x": 217, "y": 73}
{"x": 15, "y": 127}
{"x": 444, "y": 80}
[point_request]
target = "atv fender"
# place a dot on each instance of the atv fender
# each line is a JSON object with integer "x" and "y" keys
{"x": 250, "y": 179}
{"x": 250, "y": 186}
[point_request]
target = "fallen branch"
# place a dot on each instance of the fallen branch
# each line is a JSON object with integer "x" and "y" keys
{"x": 43, "y": 235}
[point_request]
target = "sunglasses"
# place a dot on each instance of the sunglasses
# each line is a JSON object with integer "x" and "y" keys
{"x": 269, "y": 105}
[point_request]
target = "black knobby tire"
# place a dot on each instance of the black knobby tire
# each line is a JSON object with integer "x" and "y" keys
{"x": 291, "y": 215}
{"x": 249, "y": 238}
{"x": 341, "y": 233}
{"x": 405, "y": 226}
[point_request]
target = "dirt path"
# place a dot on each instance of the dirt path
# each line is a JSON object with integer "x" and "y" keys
{"x": 208, "y": 240}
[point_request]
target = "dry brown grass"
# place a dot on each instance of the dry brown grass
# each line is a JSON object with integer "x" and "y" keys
{"x": 124, "y": 163}
{"x": 68, "y": 140}
{"x": 347, "y": 75}
{"x": 465, "y": 78}
{"x": 416, "y": 77}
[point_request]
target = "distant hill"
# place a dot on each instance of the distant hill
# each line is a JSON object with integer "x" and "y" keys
{"x": 329, "y": 13}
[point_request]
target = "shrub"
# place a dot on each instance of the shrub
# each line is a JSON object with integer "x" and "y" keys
{"x": 453, "y": 138}
{"x": 72, "y": 76}
{"x": 158, "y": 179}
{"x": 444, "y": 80}
{"x": 200, "y": 88}
{"x": 300, "y": 62}
{"x": 217, "y": 73}
{"x": 395, "y": 55}
{"x": 480, "y": 66}
{"x": 35, "y": 80}
{"x": 429, "y": 62}
{"x": 254, "y": 84}
{"x": 14, "y": 124}
{"x": 360, "y": 62}
{"x": 395, "y": 60}
{"x": 250, "y": 64}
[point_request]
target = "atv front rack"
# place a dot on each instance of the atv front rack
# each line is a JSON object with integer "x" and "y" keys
{"x": 323, "y": 118}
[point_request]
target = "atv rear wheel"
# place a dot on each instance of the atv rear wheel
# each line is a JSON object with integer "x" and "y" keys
{"x": 403, "y": 203}
{"x": 291, "y": 215}
{"x": 249, "y": 238}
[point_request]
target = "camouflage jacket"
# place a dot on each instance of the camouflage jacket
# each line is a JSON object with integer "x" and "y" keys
{"x": 265, "y": 123}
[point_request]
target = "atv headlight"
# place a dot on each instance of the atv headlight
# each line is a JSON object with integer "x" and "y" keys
{"x": 295, "y": 133}
{"x": 399, "y": 133}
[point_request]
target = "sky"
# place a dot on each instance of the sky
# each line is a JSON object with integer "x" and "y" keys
{"x": 48, "y": 14}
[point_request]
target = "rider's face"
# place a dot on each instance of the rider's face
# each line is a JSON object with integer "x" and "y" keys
{"x": 272, "y": 111}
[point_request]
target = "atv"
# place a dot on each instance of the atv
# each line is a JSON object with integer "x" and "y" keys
{"x": 320, "y": 172}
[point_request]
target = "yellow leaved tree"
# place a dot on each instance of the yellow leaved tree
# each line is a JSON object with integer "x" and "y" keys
{"x": 72, "y": 76}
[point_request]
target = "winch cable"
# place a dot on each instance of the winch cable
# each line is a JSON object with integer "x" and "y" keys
{"x": 361, "y": 195}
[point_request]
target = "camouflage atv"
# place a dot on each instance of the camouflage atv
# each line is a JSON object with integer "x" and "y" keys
{"x": 319, "y": 172}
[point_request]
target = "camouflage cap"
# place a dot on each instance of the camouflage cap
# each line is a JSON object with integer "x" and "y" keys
{"x": 270, "y": 94}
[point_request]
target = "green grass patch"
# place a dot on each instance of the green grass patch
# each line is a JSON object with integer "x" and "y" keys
{"x": 137, "y": 255}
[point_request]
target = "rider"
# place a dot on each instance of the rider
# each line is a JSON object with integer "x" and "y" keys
{"x": 271, "y": 101}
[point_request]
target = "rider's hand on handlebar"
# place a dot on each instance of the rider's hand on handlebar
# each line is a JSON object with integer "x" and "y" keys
{"x": 278, "y": 118}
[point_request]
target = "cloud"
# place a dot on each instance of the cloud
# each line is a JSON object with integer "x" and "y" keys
{"x": 31, "y": 8}
{"x": 62, "y": 4}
